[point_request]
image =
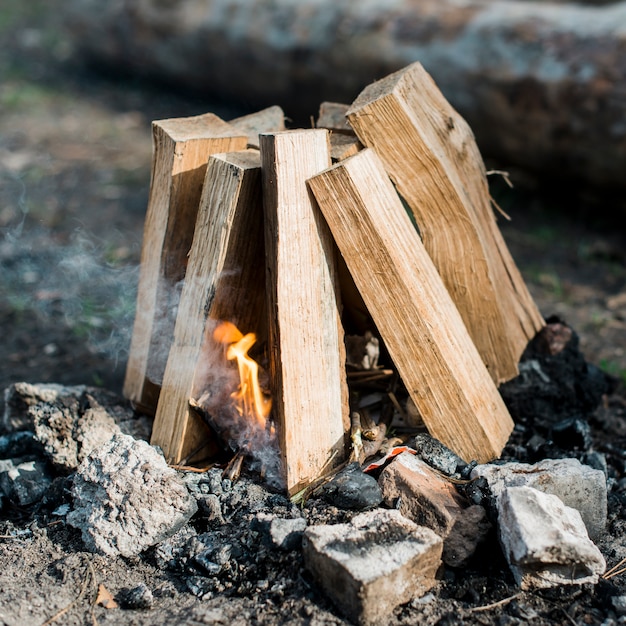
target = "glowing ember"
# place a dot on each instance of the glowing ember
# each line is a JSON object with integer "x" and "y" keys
{"x": 249, "y": 399}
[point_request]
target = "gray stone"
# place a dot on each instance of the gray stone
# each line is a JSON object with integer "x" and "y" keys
{"x": 469, "y": 530}
{"x": 545, "y": 542}
{"x": 138, "y": 598}
{"x": 278, "y": 532}
{"x": 353, "y": 489}
{"x": 373, "y": 564}
{"x": 578, "y": 486}
{"x": 24, "y": 483}
{"x": 619, "y": 604}
{"x": 69, "y": 422}
{"x": 419, "y": 493}
{"x": 127, "y": 499}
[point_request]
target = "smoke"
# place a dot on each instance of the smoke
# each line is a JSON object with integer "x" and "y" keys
{"x": 215, "y": 384}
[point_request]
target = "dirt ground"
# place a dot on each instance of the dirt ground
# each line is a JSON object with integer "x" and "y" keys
{"x": 74, "y": 174}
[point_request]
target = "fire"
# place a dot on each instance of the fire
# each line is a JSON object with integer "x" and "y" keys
{"x": 249, "y": 399}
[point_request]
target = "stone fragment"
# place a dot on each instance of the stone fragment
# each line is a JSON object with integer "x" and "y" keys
{"x": 127, "y": 499}
{"x": 619, "y": 605}
{"x": 24, "y": 483}
{"x": 18, "y": 444}
{"x": 413, "y": 488}
{"x": 69, "y": 422}
{"x": 138, "y": 598}
{"x": 278, "y": 532}
{"x": 469, "y": 531}
{"x": 373, "y": 564}
{"x": 578, "y": 486}
{"x": 433, "y": 452}
{"x": 545, "y": 542}
{"x": 353, "y": 489}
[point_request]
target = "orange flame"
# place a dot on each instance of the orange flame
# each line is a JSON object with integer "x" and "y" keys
{"x": 249, "y": 399}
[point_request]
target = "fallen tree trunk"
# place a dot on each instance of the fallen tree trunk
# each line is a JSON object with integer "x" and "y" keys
{"x": 542, "y": 85}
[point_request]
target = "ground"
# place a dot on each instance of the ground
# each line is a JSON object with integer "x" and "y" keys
{"x": 75, "y": 152}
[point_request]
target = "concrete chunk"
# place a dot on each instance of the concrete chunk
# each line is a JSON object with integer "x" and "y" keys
{"x": 126, "y": 498}
{"x": 373, "y": 564}
{"x": 413, "y": 488}
{"x": 578, "y": 486}
{"x": 545, "y": 542}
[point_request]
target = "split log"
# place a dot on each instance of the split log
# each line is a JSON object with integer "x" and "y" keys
{"x": 181, "y": 149}
{"x": 307, "y": 353}
{"x": 541, "y": 84}
{"x": 266, "y": 121}
{"x": 430, "y": 153}
{"x": 225, "y": 281}
{"x": 414, "y": 313}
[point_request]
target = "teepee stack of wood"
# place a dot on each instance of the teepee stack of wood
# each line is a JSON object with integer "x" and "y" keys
{"x": 405, "y": 207}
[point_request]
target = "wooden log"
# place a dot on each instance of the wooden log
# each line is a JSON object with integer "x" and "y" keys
{"x": 332, "y": 115}
{"x": 414, "y": 313}
{"x": 307, "y": 353}
{"x": 542, "y": 85}
{"x": 343, "y": 146}
{"x": 266, "y": 121}
{"x": 431, "y": 156}
{"x": 181, "y": 149}
{"x": 225, "y": 281}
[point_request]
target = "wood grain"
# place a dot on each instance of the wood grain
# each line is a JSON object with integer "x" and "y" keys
{"x": 430, "y": 154}
{"x": 225, "y": 280}
{"x": 307, "y": 353}
{"x": 412, "y": 309}
{"x": 181, "y": 149}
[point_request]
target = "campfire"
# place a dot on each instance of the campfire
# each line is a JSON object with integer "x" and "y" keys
{"x": 268, "y": 235}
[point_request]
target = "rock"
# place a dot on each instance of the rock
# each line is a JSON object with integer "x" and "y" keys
{"x": 413, "y": 488}
{"x": 127, "y": 499}
{"x": 24, "y": 483}
{"x": 353, "y": 489}
{"x": 469, "y": 531}
{"x": 578, "y": 486}
{"x": 555, "y": 382}
{"x": 171, "y": 553}
{"x": 373, "y": 564}
{"x": 69, "y": 422}
{"x": 433, "y": 452}
{"x": 619, "y": 604}
{"x": 545, "y": 542}
{"x": 572, "y": 434}
{"x": 139, "y": 597}
{"x": 280, "y": 533}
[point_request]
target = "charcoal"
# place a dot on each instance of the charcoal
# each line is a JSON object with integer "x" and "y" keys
{"x": 352, "y": 489}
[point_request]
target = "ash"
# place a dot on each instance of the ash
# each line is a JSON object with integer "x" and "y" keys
{"x": 239, "y": 558}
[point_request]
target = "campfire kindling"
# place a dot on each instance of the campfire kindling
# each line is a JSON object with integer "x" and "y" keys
{"x": 278, "y": 250}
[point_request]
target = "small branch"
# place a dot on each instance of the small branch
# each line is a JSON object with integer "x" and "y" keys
{"x": 504, "y": 174}
{"x": 493, "y": 605}
{"x": 612, "y": 572}
{"x": 83, "y": 589}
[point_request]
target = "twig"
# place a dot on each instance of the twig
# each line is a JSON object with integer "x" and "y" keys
{"x": 610, "y": 573}
{"x": 505, "y": 175}
{"x": 613, "y": 574}
{"x": 500, "y": 209}
{"x": 494, "y": 605}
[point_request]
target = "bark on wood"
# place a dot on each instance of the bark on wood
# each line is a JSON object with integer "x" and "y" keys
{"x": 430, "y": 153}
{"x": 307, "y": 354}
{"x": 417, "y": 319}
{"x": 266, "y": 121}
{"x": 542, "y": 84}
{"x": 225, "y": 281}
{"x": 181, "y": 149}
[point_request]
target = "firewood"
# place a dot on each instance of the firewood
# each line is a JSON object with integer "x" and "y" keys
{"x": 430, "y": 154}
{"x": 414, "y": 313}
{"x": 306, "y": 349}
{"x": 225, "y": 281}
{"x": 264, "y": 121}
{"x": 181, "y": 149}
{"x": 332, "y": 115}
{"x": 343, "y": 146}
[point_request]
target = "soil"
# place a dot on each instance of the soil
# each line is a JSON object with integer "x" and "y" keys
{"x": 75, "y": 152}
